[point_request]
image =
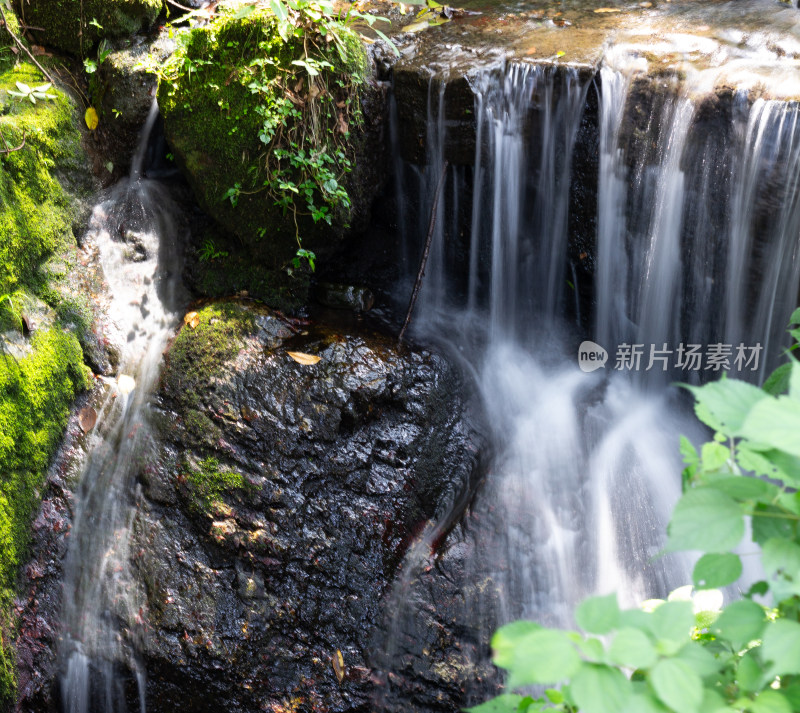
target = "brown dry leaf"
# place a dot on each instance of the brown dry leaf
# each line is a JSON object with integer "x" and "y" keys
{"x": 192, "y": 319}
{"x": 645, "y": 4}
{"x": 299, "y": 86}
{"x": 87, "y": 418}
{"x": 338, "y": 665}
{"x": 341, "y": 125}
{"x": 303, "y": 358}
{"x": 39, "y": 51}
{"x": 607, "y": 9}
{"x": 530, "y": 51}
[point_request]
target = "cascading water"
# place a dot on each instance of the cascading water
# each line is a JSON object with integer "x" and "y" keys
{"x": 138, "y": 238}
{"x": 696, "y": 244}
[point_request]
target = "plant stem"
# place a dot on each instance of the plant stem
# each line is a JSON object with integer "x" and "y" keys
{"x": 425, "y": 252}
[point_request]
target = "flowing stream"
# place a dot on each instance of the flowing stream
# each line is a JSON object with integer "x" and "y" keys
{"x": 696, "y": 238}
{"x": 135, "y": 230}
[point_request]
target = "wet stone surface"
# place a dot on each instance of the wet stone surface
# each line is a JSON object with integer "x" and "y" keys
{"x": 268, "y": 542}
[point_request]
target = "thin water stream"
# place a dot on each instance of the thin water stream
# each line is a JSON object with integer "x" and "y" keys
{"x": 139, "y": 240}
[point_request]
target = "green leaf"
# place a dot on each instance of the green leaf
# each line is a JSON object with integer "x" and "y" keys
{"x": 777, "y": 382}
{"x": 544, "y": 656}
{"x": 781, "y": 647}
{"x": 386, "y": 39}
{"x": 715, "y": 570}
{"x": 778, "y": 554}
{"x": 774, "y": 423}
{"x": 740, "y": 623}
{"x": 632, "y": 648}
{"x": 507, "y": 703}
{"x": 24, "y": 88}
{"x": 770, "y": 701}
{"x": 644, "y": 701}
{"x": 714, "y": 455}
{"x": 672, "y": 621}
{"x": 600, "y": 689}
{"x": 705, "y": 519}
{"x": 279, "y": 9}
{"x": 506, "y": 639}
{"x": 769, "y": 521}
{"x": 590, "y": 648}
{"x": 598, "y": 615}
{"x": 699, "y": 659}
{"x": 677, "y": 685}
{"x": 749, "y": 674}
{"x": 725, "y": 404}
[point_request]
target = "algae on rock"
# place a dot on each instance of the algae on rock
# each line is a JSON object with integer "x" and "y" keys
{"x": 75, "y": 26}
{"x": 267, "y": 130}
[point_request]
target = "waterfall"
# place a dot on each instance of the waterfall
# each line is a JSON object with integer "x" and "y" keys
{"x": 697, "y": 229}
{"x": 135, "y": 230}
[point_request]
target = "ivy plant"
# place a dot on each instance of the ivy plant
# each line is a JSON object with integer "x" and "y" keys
{"x": 689, "y": 654}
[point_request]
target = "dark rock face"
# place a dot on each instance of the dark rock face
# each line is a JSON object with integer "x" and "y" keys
{"x": 268, "y": 542}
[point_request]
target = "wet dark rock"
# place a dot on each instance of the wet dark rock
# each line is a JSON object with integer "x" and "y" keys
{"x": 284, "y": 499}
{"x": 351, "y": 297}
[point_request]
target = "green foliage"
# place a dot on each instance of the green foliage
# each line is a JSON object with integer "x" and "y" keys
{"x": 689, "y": 655}
{"x": 280, "y": 87}
{"x": 33, "y": 93}
{"x": 209, "y": 251}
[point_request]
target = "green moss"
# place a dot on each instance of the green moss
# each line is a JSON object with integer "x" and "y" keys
{"x": 69, "y": 25}
{"x": 36, "y": 393}
{"x": 217, "y": 95}
{"x": 36, "y": 213}
{"x": 196, "y": 354}
{"x": 209, "y": 482}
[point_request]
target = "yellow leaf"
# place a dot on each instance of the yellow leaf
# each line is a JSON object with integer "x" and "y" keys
{"x": 192, "y": 319}
{"x": 338, "y": 665}
{"x": 607, "y": 9}
{"x": 303, "y": 358}
{"x": 92, "y": 120}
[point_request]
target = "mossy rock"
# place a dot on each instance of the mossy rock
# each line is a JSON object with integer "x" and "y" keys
{"x": 76, "y": 26}
{"x": 213, "y": 101}
{"x": 40, "y": 197}
{"x": 38, "y": 216}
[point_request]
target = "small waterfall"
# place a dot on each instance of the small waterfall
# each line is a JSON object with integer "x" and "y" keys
{"x": 696, "y": 241}
{"x": 135, "y": 229}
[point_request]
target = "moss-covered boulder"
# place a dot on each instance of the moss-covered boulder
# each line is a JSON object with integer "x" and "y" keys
{"x": 270, "y": 131}
{"x": 41, "y": 363}
{"x": 75, "y": 26}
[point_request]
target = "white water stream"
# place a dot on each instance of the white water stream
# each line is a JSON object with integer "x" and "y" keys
{"x": 135, "y": 230}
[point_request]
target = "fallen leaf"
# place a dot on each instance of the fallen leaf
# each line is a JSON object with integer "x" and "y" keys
{"x": 530, "y": 51}
{"x": 341, "y": 125}
{"x": 192, "y": 319}
{"x": 416, "y": 26}
{"x": 92, "y": 120}
{"x": 87, "y": 418}
{"x": 126, "y": 383}
{"x": 303, "y": 358}
{"x": 338, "y": 665}
{"x": 645, "y": 4}
{"x": 607, "y": 9}
{"x": 39, "y": 51}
